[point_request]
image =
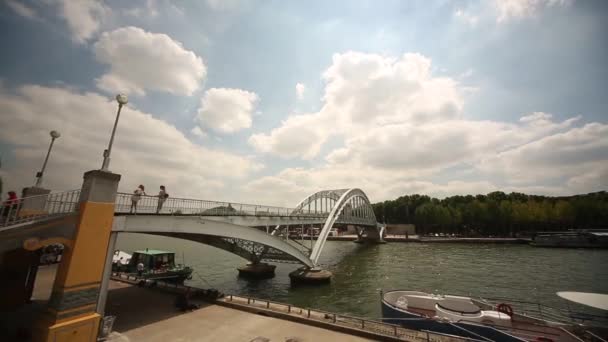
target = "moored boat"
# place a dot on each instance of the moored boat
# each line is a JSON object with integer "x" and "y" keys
{"x": 468, "y": 317}
{"x": 592, "y": 238}
{"x": 153, "y": 264}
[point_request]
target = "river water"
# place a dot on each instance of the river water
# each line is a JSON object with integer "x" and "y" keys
{"x": 518, "y": 272}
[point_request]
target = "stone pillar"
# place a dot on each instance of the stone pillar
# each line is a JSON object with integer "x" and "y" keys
{"x": 72, "y": 308}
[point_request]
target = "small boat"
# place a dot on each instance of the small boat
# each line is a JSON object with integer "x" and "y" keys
{"x": 470, "y": 318}
{"x": 157, "y": 265}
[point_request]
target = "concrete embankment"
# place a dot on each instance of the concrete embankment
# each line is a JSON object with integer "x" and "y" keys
{"x": 148, "y": 314}
{"x": 416, "y": 238}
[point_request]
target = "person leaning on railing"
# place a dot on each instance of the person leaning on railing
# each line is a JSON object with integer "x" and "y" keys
{"x": 136, "y": 197}
{"x": 162, "y": 197}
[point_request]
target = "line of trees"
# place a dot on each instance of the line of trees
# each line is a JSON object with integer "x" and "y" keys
{"x": 496, "y": 214}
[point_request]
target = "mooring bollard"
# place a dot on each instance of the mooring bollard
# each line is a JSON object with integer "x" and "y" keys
{"x": 308, "y": 313}
{"x": 231, "y": 298}
{"x": 334, "y": 318}
{"x": 288, "y": 308}
{"x": 248, "y": 300}
{"x": 267, "y": 305}
{"x": 362, "y": 324}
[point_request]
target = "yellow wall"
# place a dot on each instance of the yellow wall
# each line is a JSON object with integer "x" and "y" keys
{"x": 81, "y": 271}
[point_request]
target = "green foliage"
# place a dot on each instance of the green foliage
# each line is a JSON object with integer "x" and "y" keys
{"x": 496, "y": 213}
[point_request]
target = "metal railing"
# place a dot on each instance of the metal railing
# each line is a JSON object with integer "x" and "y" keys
{"x": 184, "y": 206}
{"x": 41, "y": 206}
{"x": 347, "y": 321}
{"x": 37, "y": 207}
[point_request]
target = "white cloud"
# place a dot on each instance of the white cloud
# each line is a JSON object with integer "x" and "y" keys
{"x": 362, "y": 91}
{"x": 467, "y": 17}
{"x": 198, "y": 132}
{"x": 227, "y": 110}
{"x": 575, "y": 152}
{"x": 515, "y": 9}
{"x": 300, "y": 88}
{"x": 84, "y": 17}
{"x": 21, "y": 9}
{"x": 299, "y": 136}
{"x": 225, "y": 5}
{"x": 146, "y": 150}
{"x": 141, "y": 60}
{"x": 402, "y": 128}
{"x": 150, "y": 10}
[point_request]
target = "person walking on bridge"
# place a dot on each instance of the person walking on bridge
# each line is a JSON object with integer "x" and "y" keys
{"x": 162, "y": 197}
{"x": 136, "y": 197}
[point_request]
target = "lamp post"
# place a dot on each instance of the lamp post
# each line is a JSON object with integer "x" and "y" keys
{"x": 122, "y": 100}
{"x": 54, "y": 135}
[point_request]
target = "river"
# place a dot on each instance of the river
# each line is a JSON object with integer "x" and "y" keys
{"x": 518, "y": 272}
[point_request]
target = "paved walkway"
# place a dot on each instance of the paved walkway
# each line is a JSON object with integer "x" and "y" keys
{"x": 150, "y": 315}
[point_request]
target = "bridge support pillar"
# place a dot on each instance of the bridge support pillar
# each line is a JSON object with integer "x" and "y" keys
{"x": 260, "y": 270}
{"x": 310, "y": 276}
{"x": 72, "y": 311}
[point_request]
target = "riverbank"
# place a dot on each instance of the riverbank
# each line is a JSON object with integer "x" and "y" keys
{"x": 147, "y": 313}
{"x": 144, "y": 314}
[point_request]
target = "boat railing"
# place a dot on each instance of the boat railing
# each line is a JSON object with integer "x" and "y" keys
{"x": 518, "y": 330}
{"x": 547, "y": 312}
{"x": 469, "y": 332}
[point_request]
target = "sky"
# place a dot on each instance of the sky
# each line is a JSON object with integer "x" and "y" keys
{"x": 269, "y": 101}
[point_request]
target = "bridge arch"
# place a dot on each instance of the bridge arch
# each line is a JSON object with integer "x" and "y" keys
{"x": 351, "y": 203}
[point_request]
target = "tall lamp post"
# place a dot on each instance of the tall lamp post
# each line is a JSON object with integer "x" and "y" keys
{"x": 54, "y": 135}
{"x": 122, "y": 100}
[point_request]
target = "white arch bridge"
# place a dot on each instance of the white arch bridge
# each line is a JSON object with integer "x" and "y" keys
{"x": 232, "y": 226}
{"x": 254, "y": 232}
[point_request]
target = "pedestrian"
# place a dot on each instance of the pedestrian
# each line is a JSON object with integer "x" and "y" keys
{"x": 162, "y": 197}
{"x": 140, "y": 269}
{"x": 136, "y": 197}
{"x": 10, "y": 205}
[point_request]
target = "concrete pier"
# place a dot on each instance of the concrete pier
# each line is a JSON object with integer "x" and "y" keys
{"x": 257, "y": 271}
{"x": 311, "y": 276}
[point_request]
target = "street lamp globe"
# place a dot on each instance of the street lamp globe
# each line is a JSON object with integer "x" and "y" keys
{"x": 121, "y": 99}
{"x": 55, "y": 134}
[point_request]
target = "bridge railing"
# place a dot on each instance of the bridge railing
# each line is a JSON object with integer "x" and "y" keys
{"x": 184, "y": 206}
{"x": 37, "y": 207}
{"x": 41, "y": 206}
